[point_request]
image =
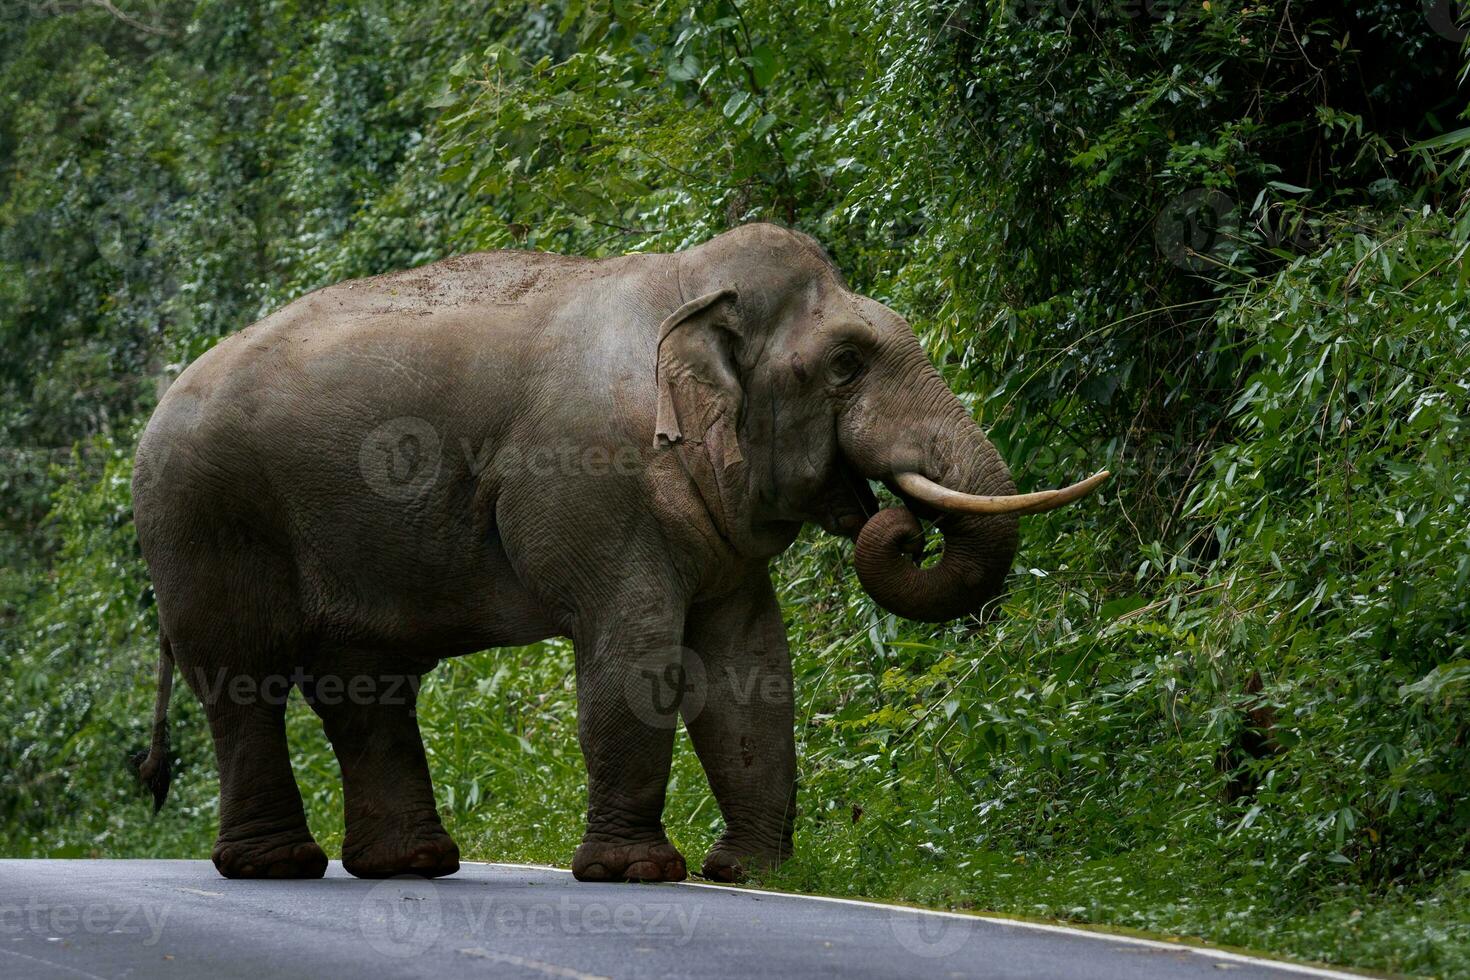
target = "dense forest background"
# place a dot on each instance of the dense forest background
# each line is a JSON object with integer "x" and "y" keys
{"x": 1218, "y": 247}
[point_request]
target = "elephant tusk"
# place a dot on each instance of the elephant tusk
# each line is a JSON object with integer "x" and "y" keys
{"x": 923, "y": 489}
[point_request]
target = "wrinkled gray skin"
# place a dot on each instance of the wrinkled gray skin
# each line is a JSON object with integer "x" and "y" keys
{"x": 396, "y": 470}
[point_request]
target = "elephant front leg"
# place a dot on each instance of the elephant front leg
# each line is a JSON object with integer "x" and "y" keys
{"x": 742, "y": 727}
{"x": 629, "y": 684}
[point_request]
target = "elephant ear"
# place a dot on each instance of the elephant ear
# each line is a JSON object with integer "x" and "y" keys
{"x": 700, "y": 399}
{"x": 699, "y": 393}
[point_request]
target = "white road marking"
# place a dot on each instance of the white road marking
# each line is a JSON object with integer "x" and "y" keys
{"x": 547, "y": 969}
{"x": 201, "y": 891}
{"x": 55, "y": 966}
{"x": 1223, "y": 955}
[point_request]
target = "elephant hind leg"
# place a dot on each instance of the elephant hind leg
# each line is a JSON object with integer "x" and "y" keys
{"x": 263, "y": 832}
{"x": 393, "y": 827}
{"x": 228, "y": 602}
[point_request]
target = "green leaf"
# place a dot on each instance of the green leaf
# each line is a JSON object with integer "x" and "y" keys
{"x": 734, "y": 104}
{"x": 1445, "y": 141}
{"x": 684, "y": 69}
{"x": 1121, "y": 607}
{"x": 763, "y": 65}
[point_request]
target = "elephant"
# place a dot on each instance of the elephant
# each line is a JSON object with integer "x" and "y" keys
{"x": 503, "y": 447}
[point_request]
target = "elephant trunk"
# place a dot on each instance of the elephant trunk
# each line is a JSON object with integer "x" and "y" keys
{"x": 913, "y": 434}
{"x": 978, "y": 547}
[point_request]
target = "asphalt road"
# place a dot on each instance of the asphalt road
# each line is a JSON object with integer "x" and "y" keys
{"x": 180, "y": 919}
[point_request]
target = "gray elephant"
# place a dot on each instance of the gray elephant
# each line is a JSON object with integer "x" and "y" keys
{"x": 499, "y": 448}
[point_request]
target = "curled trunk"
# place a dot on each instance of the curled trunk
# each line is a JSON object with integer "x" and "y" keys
{"x": 978, "y": 549}
{"x": 970, "y": 573}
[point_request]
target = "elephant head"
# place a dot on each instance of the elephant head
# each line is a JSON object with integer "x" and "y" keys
{"x": 792, "y": 392}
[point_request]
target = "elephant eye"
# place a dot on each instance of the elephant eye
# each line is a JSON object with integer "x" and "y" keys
{"x": 844, "y": 365}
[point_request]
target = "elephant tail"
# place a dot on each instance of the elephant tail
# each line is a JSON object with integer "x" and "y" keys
{"x": 152, "y": 766}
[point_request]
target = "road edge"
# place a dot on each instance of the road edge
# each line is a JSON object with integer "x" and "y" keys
{"x": 1188, "y": 944}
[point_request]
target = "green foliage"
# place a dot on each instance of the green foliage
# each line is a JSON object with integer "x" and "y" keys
{"x": 1219, "y": 248}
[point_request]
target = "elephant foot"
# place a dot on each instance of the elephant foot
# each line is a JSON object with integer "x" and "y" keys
{"x": 271, "y": 857}
{"x": 731, "y": 863}
{"x": 656, "y": 861}
{"x": 430, "y": 853}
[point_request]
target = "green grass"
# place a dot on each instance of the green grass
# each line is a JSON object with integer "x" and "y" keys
{"x": 500, "y": 727}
